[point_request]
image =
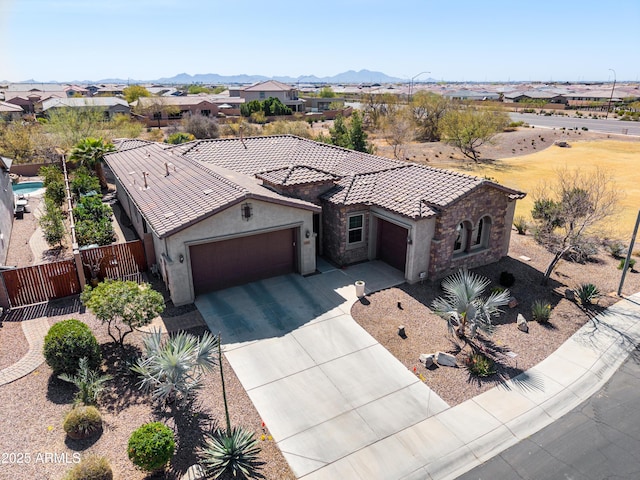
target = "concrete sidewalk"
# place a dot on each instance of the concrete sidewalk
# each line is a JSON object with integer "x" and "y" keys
{"x": 340, "y": 406}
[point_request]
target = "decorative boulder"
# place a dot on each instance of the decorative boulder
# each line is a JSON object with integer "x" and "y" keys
{"x": 426, "y": 359}
{"x": 513, "y": 303}
{"x": 522, "y": 324}
{"x": 446, "y": 359}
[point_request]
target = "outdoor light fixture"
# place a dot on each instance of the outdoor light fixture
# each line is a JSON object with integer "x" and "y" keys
{"x": 181, "y": 258}
{"x": 307, "y": 234}
{"x": 246, "y": 211}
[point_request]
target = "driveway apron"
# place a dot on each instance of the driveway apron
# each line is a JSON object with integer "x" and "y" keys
{"x": 325, "y": 388}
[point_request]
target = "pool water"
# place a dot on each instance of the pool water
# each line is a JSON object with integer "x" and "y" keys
{"x": 27, "y": 188}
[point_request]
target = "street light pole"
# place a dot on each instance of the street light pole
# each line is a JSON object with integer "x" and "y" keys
{"x": 612, "y": 89}
{"x": 411, "y": 84}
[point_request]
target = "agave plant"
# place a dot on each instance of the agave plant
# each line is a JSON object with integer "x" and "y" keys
{"x": 174, "y": 367}
{"x": 90, "y": 382}
{"x": 463, "y": 306}
{"x": 587, "y": 293}
{"x": 230, "y": 452}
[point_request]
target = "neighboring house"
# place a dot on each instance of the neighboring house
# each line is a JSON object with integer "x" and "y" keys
{"x": 161, "y": 111}
{"x": 9, "y": 111}
{"x": 7, "y": 204}
{"x": 592, "y": 98}
{"x": 218, "y": 213}
{"x": 110, "y": 106}
{"x": 319, "y": 104}
{"x": 473, "y": 95}
{"x": 271, "y": 89}
{"x": 524, "y": 97}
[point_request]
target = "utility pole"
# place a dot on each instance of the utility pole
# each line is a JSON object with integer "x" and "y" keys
{"x": 626, "y": 262}
{"x": 612, "y": 89}
{"x": 411, "y": 84}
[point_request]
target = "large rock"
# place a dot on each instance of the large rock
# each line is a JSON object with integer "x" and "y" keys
{"x": 522, "y": 324}
{"x": 195, "y": 472}
{"x": 446, "y": 359}
{"x": 427, "y": 359}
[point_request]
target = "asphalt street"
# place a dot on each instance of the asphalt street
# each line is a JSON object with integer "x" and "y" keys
{"x": 599, "y": 440}
{"x": 610, "y": 125}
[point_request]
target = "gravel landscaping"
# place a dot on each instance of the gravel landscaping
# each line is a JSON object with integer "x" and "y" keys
{"x": 34, "y": 406}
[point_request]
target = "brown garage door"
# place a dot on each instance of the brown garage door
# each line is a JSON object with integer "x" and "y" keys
{"x": 227, "y": 263}
{"x": 392, "y": 244}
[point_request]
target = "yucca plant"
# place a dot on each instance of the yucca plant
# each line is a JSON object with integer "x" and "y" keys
{"x": 174, "y": 367}
{"x": 541, "y": 311}
{"x": 233, "y": 453}
{"x": 463, "y": 306}
{"x": 90, "y": 383}
{"x": 587, "y": 293}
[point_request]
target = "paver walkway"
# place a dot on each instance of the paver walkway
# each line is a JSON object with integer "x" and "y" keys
{"x": 35, "y": 331}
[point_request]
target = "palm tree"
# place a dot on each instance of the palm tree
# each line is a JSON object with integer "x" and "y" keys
{"x": 90, "y": 382}
{"x": 90, "y": 153}
{"x": 175, "y": 366}
{"x": 462, "y": 305}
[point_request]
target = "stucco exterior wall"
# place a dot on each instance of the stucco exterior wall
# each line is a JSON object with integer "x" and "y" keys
{"x": 6, "y": 214}
{"x": 226, "y": 225}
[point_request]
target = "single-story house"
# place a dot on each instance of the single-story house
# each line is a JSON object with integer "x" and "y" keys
{"x": 9, "y": 111}
{"x": 161, "y": 111}
{"x": 218, "y": 213}
{"x": 110, "y": 106}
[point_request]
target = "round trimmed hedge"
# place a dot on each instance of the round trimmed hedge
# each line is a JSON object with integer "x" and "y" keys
{"x": 66, "y": 343}
{"x": 151, "y": 446}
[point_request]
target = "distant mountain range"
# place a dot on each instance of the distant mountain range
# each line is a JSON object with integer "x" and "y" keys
{"x": 350, "y": 77}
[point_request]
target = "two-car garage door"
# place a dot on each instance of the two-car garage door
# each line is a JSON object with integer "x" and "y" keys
{"x": 240, "y": 260}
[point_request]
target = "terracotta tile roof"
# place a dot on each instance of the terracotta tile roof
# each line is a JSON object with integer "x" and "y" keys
{"x": 123, "y": 144}
{"x": 296, "y": 175}
{"x": 269, "y": 86}
{"x": 190, "y": 192}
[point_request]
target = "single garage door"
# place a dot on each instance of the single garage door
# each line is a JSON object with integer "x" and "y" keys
{"x": 228, "y": 263}
{"x": 392, "y": 244}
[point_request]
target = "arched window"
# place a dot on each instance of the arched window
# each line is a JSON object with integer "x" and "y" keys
{"x": 462, "y": 235}
{"x": 480, "y": 235}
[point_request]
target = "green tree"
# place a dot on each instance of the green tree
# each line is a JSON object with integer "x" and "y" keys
{"x": 463, "y": 305}
{"x": 427, "y": 110}
{"x": 25, "y": 142}
{"x": 274, "y": 107}
{"x": 357, "y": 135}
{"x": 468, "y": 129}
{"x": 122, "y": 305}
{"x": 172, "y": 369}
{"x": 339, "y": 134}
{"x": 122, "y": 126}
{"x": 90, "y": 152}
{"x": 134, "y": 92}
{"x": 69, "y": 126}
{"x": 569, "y": 210}
{"x": 246, "y": 109}
{"x": 52, "y": 224}
{"x": 326, "y": 92}
{"x": 93, "y": 222}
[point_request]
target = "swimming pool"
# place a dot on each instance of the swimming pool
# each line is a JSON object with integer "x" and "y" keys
{"x": 28, "y": 188}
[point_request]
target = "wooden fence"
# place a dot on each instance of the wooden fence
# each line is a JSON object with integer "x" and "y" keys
{"x": 41, "y": 283}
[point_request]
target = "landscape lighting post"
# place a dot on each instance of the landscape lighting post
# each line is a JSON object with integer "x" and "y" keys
{"x": 612, "y": 89}
{"x": 411, "y": 84}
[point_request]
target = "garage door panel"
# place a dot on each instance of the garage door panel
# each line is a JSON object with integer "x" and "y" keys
{"x": 392, "y": 244}
{"x": 227, "y": 263}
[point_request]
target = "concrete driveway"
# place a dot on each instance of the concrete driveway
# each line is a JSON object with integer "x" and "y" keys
{"x": 325, "y": 388}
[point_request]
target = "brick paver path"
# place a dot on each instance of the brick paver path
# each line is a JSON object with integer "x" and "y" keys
{"x": 35, "y": 331}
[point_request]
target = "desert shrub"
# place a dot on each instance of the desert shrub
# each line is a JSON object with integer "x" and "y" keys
{"x": 632, "y": 263}
{"x": 587, "y": 293}
{"x": 615, "y": 248}
{"x": 541, "y": 311}
{"x": 66, "y": 343}
{"x": 507, "y": 279}
{"x": 151, "y": 446}
{"x": 520, "y": 222}
{"x": 180, "y": 137}
{"x": 200, "y": 126}
{"x": 91, "y": 468}
{"x": 479, "y": 365}
{"x": 82, "y": 422}
{"x": 232, "y": 452}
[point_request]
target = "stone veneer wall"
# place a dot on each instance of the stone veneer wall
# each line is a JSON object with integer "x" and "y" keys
{"x": 334, "y": 225}
{"x": 309, "y": 192}
{"x": 484, "y": 201}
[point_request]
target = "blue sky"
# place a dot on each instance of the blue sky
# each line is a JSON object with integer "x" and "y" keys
{"x": 494, "y": 40}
